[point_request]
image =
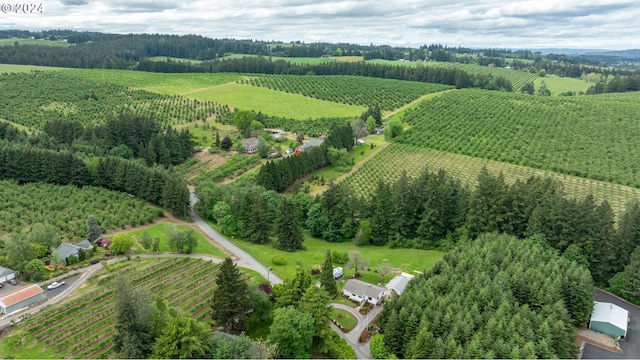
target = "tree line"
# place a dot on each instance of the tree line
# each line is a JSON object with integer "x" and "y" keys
{"x": 278, "y": 175}
{"x": 126, "y": 135}
{"x": 26, "y": 163}
{"x": 263, "y": 65}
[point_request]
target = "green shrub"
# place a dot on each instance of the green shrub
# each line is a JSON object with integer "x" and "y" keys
{"x": 278, "y": 260}
{"x": 339, "y": 257}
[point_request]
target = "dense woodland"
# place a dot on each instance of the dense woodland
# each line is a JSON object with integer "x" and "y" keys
{"x": 497, "y": 297}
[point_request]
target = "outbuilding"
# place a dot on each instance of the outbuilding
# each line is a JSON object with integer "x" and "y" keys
{"x": 609, "y": 319}
{"x": 6, "y": 274}
{"x": 397, "y": 284}
{"x": 20, "y": 298}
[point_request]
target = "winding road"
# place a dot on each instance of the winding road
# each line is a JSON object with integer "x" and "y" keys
{"x": 244, "y": 259}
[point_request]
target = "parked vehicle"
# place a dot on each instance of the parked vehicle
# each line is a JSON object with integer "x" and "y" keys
{"x": 13, "y": 282}
{"x": 337, "y": 272}
{"x": 55, "y": 285}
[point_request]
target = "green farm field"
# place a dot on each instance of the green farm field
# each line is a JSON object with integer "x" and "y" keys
{"x": 67, "y": 208}
{"x": 171, "y": 84}
{"x": 164, "y": 58}
{"x": 276, "y": 103}
{"x": 11, "y": 68}
{"x": 586, "y": 136}
{"x": 558, "y": 85}
{"x": 389, "y": 94}
{"x": 31, "y": 99}
{"x": 389, "y": 163}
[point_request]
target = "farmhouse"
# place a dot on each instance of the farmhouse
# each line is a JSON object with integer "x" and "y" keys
{"x": 250, "y": 145}
{"x": 277, "y": 134}
{"x": 361, "y": 291}
{"x": 20, "y": 298}
{"x": 6, "y": 274}
{"x": 610, "y": 319}
{"x": 67, "y": 249}
{"x": 309, "y": 145}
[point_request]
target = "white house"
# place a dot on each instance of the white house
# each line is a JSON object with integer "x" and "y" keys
{"x": 361, "y": 291}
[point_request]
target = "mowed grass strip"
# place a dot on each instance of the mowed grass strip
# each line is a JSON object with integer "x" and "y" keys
{"x": 275, "y": 103}
{"x": 389, "y": 163}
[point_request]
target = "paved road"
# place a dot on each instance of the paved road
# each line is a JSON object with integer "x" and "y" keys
{"x": 631, "y": 345}
{"x": 244, "y": 259}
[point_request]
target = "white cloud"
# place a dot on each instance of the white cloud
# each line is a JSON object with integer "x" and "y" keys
{"x": 489, "y": 23}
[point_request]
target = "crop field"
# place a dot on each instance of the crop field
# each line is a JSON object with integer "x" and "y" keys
{"x": 82, "y": 327}
{"x": 517, "y": 77}
{"x": 275, "y": 103}
{"x": 170, "y": 84}
{"x": 558, "y": 85}
{"x": 31, "y": 99}
{"x": 389, "y": 163}
{"x": 351, "y": 90}
{"x": 586, "y": 136}
{"x": 176, "y": 59}
{"x": 67, "y": 208}
{"x": 301, "y": 60}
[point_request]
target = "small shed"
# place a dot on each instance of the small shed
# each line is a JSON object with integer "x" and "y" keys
{"x": 397, "y": 284}
{"x": 309, "y": 145}
{"x": 20, "y": 298}
{"x": 361, "y": 291}
{"x": 609, "y": 319}
{"x": 6, "y": 274}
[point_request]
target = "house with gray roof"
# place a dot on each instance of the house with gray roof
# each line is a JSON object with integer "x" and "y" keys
{"x": 397, "y": 284}
{"x": 309, "y": 145}
{"x": 65, "y": 250}
{"x": 250, "y": 145}
{"x": 6, "y": 274}
{"x": 361, "y": 291}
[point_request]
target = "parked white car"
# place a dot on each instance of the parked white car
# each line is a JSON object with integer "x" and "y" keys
{"x": 55, "y": 285}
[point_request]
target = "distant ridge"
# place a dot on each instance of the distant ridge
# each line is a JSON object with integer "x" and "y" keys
{"x": 629, "y": 53}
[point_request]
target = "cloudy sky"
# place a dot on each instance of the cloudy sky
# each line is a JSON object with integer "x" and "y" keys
{"x": 605, "y": 24}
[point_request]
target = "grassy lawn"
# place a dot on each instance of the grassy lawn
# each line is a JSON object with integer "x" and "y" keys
{"x": 345, "y": 319}
{"x": 408, "y": 260}
{"x": 254, "y": 275}
{"x": 340, "y": 300}
{"x": 557, "y": 84}
{"x": 30, "y": 350}
{"x": 275, "y": 103}
{"x": 161, "y": 230}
